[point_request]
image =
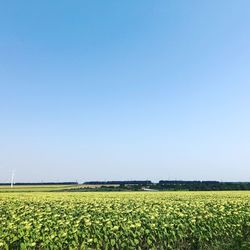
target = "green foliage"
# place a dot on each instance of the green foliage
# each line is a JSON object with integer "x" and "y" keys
{"x": 162, "y": 220}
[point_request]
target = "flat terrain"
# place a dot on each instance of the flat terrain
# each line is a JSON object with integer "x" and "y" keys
{"x": 47, "y": 188}
{"x": 34, "y": 188}
{"x": 124, "y": 220}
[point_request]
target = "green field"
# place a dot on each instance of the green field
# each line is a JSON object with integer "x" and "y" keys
{"x": 124, "y": 220}
{"x": 34, "y": 188}
{"x": 48, "y": 188}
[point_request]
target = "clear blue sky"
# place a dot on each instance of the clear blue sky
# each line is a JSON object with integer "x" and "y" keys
{"x": 123, "y": 90}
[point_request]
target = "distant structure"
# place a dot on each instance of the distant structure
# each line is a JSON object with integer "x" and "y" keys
{"x": 12, "y": 179}
{"x": 149, "y": 189}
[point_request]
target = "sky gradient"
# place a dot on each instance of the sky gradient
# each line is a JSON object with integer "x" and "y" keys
{"x": 124, "y": 90}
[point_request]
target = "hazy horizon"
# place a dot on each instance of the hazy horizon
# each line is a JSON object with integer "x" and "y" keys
{"x": 132, "y": 90}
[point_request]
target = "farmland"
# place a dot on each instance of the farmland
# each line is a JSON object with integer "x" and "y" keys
{"x": 124, "y": 220}
{"x": 31, "y": 188}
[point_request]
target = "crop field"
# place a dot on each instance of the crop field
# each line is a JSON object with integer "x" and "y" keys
{"x": 125, "y": 220}
{"x": 35, "y": 188}
{"x": 47, "y": 188}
